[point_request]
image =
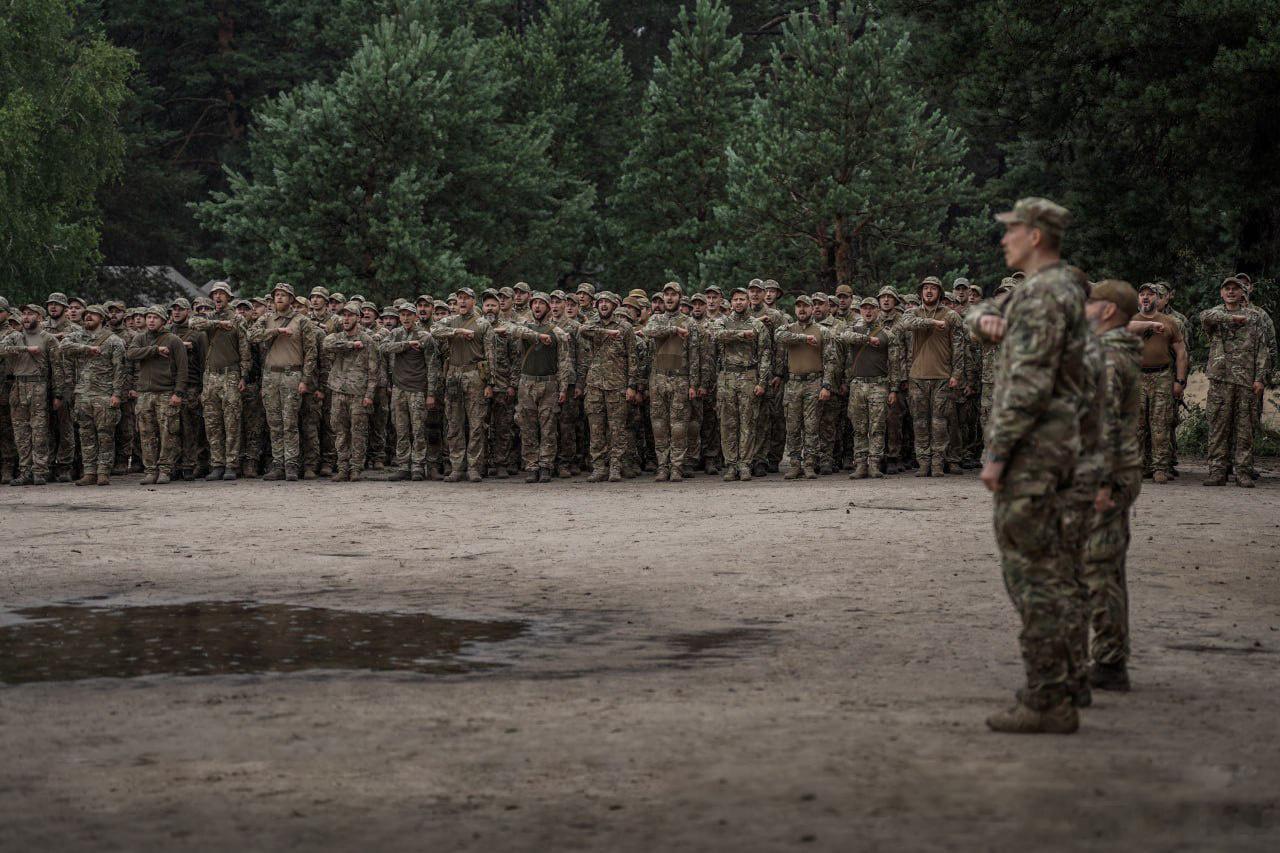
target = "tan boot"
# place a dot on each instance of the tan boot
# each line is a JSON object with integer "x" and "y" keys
{"x": 860, "y": 472}
{"x": 104, "y": 477}
{"x": 1062, "y": 719}
{"x": 89, "y": 479}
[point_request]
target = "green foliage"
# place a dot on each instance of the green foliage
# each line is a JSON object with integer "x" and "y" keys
{"x": 842, "y": 172}
{"x": 60, "y": 95}
{"x": 675, "y": 174}
{"x": 403, "y": 175}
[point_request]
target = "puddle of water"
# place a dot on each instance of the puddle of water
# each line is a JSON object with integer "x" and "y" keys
{"x": 716, "y": 643}
{"x": 67, "y": 642}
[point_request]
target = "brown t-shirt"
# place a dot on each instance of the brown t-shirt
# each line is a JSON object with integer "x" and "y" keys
{"x": 1157, "y": 350}
{"x": 932, "y": 349}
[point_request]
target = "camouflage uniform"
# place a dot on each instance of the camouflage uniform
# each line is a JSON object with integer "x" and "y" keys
{"x": 228, "y": 361}
{"x": 191, "y": 413}
{"x": 932, "y": 399}
{"x": 1034, "y": 430}
{"x": 100, "y": 377}
{"x": 567, "y": 457}
{"x": 312, "y": 407}
{"x": 8, "y": 449}
{"x": 546, "y": 371}
{"x": 746, "y": 361}
{"x": 253, "y": 421}
{"x": 35, "y": 378}
{"x": 328, "y": 323}
{"x": 1238, "y": 357}
{"x": 769, "y": 435}
{"x": 469, "y": 366}
{"x": 159, "y": 378}
{"x": 1156, "y": 411}
{"x": 63, "y": 423}
{"x": 502, "y": 408}
{"x": 702, "y": 407}
{"x": 415, "y": 376}
{"x": 872, "y": 373}
{"x": 352, "y": 380}
{"x": 610, "y": 372}
{"x": 810, "y": 369}
{"x": 831, "y": 412}
{"x": 380, "y": 414}
{"x": 676, "y": 369}
{"x": 288, "y": 361}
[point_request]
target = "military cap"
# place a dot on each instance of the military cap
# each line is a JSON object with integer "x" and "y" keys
{"x": 673, "y": 285}
{"x": 203, "y": 302}
{"x": 452, "y": 297}
{"x": 868, "y": 300}
{"x": 261, "y": 300}
{"x": 756, "y": 283}
{"x": 1006, "y": 284}
{"x": 440, "y": 303}
{"x": 521, "y": 286}
{"x": 71, "y": 299}
{"x": 977, "y": 287}
{"x": 4, "y": 304}
{"x": 506, "y": 291}
{"x": 465, "y": 291}
{"x": 630, "y": 302}
{"x": 557, "y": 294}
{"x": 180, "y": 302}
{"x": 802, "y": 299}
{"x": 1232, "y": 281}
{"x": 713, "y": 288}
{"x": 657, "y": 295}
{"x": 56, "y": 298}
{"x": 608, "y": 296}
{"x": 158, "y": 310}
{"x": 423, "y": 298}
{"x": 389, "y": 311}
{"x": 844, "y": 290}
{"x": 638, "y": 293}
{"x": 1019, "y": 275}
{"x": 400, "y": 302}
{"x": 282, "y": 285}
{"x": 698, "y": 297}
{"x": 351, "y": 307}
{"x": 685, "y": 303}
{"x": 953, "y": 295}
{"x": 912, "y": 298}
{"x": 215, "y": 286}
{"x": 959, "y": 282}
{"x": 299, "y": 299}
{"x": 738, "y": 289}
{"x": 409, "y": 307}
{"x": 1119, "y": 293}
{"x": 338, "y": 297}
{"x": 1244, "y": 279}
{"x": 320, "y": 291}
{"x": 39, "y": 309}
{"x": 488, "y": 293}
{"x": 1161, "y": 290}
{"x": 770, "y": 284}
{"x": 241, "y": 303}
{"x": 538, "y": 294}
{"x": 887, "y": 290}
{"x": 96, "y": 309}
{"x": 357, "y": 298}
{"x": 929, "y": 279}
{"x": 1038, "y": 213}
{"x": 819, "y": 297}
{"x": 587, "y": 287}
{"x": 1150, "y": 285}
{"x": 369, "y": 306}
{"x": 134, "y": 312}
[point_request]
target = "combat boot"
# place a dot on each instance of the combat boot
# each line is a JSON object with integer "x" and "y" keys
{"x": 378, "y": 464}
{"x": 533, "y": 476}
{"x": 474, "y": 477}
{"x": 1216, "y": 479}
{"x": 744, "y": 473}
{"x": 229, "y": 475}
{"x": 215, "y": 474}
{"x": 923, "y": 470}
{"x": 826, "y": 469}
{"x": 729, "y": 475}
{"x": 1061, "y": 719}
{"x": 162, "y": 479}
{"x": 615, "y": 475}
{"x": 63, "y": 474}
{"x": 454, "y": 477}
{"x": 104, "y": 477}
{"x": 276, "y": 473}
{"x": 503, "y": 473}
{"x": 341, "y": 475}
{"x": 547, "y": 474}
{"x": 662, "y": 476}
{"x": 135, "y": 466}
{"x": 597, "y": 477}
{"x": 859, "y": 472}
{"x": 873, "y": 469}
{"x": 1244, "y": 481}
{"x": 1160, "y": 477}
{"x": 309, "y": 474}
{"x": 38, "y": 480}
{"x": 711, "y": 468}
{"x": 148, "y": 480}
{"x": 326, "y": 470}
{"x": 564, "y": 473}
{"x": 417, "y": 475}
{"x": 793, "y": 473}
{"x": 1110, "y": 676}
{"x": 89, "y": 478}
{"x": 120, "y": 469}
{"x": 760, "y": 469}
{"x": 291, "y": 473}
{"x": 676, "y": 475}
{"x": 809, "y": 473}
{"x": 398, "y": 475}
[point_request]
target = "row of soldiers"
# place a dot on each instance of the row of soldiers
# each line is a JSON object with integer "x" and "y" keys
{"x": 1064, "y": 455}
{"x": 548, "y": 383}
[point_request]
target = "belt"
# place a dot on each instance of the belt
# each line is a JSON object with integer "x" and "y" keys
{"x": 231, "y": 368}
{"x": 807, "y": 376}
{"x": 29, "y": 379}
{"x": 669, "y": 373}
{"x": 285, "y": 369}
{"x": 538, "y": 377}
{"x": 1161, "y": 369}
{"x": 755, "y": 368}
{"x": 875, "y": 380}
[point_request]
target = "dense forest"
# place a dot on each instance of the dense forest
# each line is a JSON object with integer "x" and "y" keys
{"x": 392, "y": 147}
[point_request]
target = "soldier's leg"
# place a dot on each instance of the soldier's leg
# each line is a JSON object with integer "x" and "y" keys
{"x": 568, "y": 426}
{"x": 727, "y": 402}
{"x": 595, "y": 408}
{"x": 940, "y": 420}
{"x": 231, "y": 403}
{"x": 812, "y": 453}
{"x": 309, "y": 432}
{"x": 877, "y": 406}
{"x": 711, "y": 455}
{"x": 87, "y": 426}
{"x": 105, "y": 419}
{"x": 290, "y": 407}
{"x": 758, "y": 452}
{"x": 125, "y": 435}
{"x": 1242, "y": 423}
{"x": 1217, "y": 412}
{"x": 616, "y": 403}
{"x": 64, "y": 427}
{"x": 418, "y": 453}
{"x": 328, "y": 451}
{"x": 170, "y": 435}
{"x": 1161, "y": 414}
{"x": 188, "y": 435}
{"x": 1145, "y": 406}
{"x": 546, "y": 433}
{"x": 662, "y": 413}
{"x": 149, "y": 425}
{"x": 360, "y": 424}
{"x": 678, "y": 446}
{"x": 1077, "y": 521}
{"x": 857, "y": 413}
{"x": 794, "y": 402}
{"x": 340, "y": 424}
{"x": 455, "y": 423}
{"x": 215, "y": 425}
{"x": 527, "y": 416}
{"x": 400, "y": 416}
{"x": 271, "y": 409}
{"x": 776, "y": 424}
{"x": 38, "y": 407}
{"x": 952, "y": 402}
{"x": 829, "y": 413}
{"x": 8, "y": 447}
{"x": 19, "y": 412}
{"x": 1105, "y": 576}
{"x": 693, "y": 433}
{"x": 922, "y": 421}
{"x": 477, "y": 416}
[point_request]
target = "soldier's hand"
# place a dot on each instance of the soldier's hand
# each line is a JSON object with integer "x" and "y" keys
{"x": 1102, "y": 500}
{"x": 226, "y": 324}
{"x": 693, "y": 393}
{"x": 175, "y": 401}
{"x": 577, "y": 393}
{"x": 367, "y": 403}
{"x": 893, "y": 398}
{"x": 467, "y": 334}
{"x": 488, "y": 392}
{"x": 357, "y": 344}
{"x": 501, "y": 331}
{"x": 631, "y": 395}
{"x": 993, "y": 327}
{"x": 991, "y": 474}
{"x": 164, "y": 351}
{"x": 748, "y": 334}
{"x": 941, "y": 325}
{"x": 613, "y": 333}
{"x": 952, "y": 382}
{"x": 431, "y": 402}
{"x": 875, "y": 342}
{"x": 824, "y": 394}
{"x": 1257, "y": 389}
{"x": 511, "y": 392}
{"x": 811, "y": 340}
{"x": 775, "y": 383}
{"x": 702, "y": 392}
{"x": 115, "y": 401}
{"x": 682, "y": 331}
{"x": 302, "y": 387}
{"x": 1177, "y": 390}
{"x": 95, "y": 350}
{"x": 1157, "y": 328}
{"x": 319, "y": 395}
{"x": 241, "y": 386}
{"x": 415, "y": 344}
{"x": 187, "y": 344}
{"x": 758, "y": 390}
{"x": 562, "y": 398}
{"x": 57, "y": 404}
{"x": 33, "y": 350}
{"x": 1240, "y": 319}
{"x": 284, "y": 330}
{"x": 133, "y": 395}
{"x": 545, "y": 340}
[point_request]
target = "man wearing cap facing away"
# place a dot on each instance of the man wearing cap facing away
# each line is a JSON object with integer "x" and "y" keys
{"x": 468, "y": 340}
{"x": 161, "y": 381}
{"x": 100, "y": 383}
{"x": 1164, "y": 378}
{"x": 1239, "y": 363}
{"x": 35, "y": 369}
{"x": 673, "y": 381}
{"x": 1033, "y": 440}
{"x": 289, "y": 361}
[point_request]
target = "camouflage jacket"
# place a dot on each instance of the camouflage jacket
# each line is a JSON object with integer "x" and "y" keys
{"x": 673, "y": 355}
{"x": 265, "y": 332}
{"x": 1238, "y": 352}
{"x": 611, "y": 364}
{"x": 1120, "y": 449}
{"x": 1269, "y": 335}
{"x": 351, "y": 370}
{"x": 707, "y": 349}
{"x": 735, "y": 349}
{"x": 479, "y": 353}
{"x": 527, "y": 333}
{"x": 1034, "y": 425}
{"x": 47, "y": 364}
{"x": 1091, "y": 463}
{"x": 197, "y": 344}
{"x": 400, "y": 346}
{"x": 507, "y": 355}
{"x": 792, "y": 339}
{"x": 100, "y": 375}
{"x": 773, "y": 320}
{"x": 571, "y": 327}
{"x": 856, "y": 336}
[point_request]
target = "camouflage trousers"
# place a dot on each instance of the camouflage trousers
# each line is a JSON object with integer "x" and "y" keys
{"x": 829, "y": 418}
{"x": 953, "y": 405}
{"x": 8, "y": 450}
{"x": 607, "y": 419}
{"x": 282, "y": 402}
{"x": 1040, "y": 580}
{"x": 895, "y": 428}
{"x": 1077, "y": 521}
{"x": 1154, "y": 415}
{"x": 709, "y": 442}
{"x": 538, "y": 414}
{"x": 802, "y": 405}
{"x": 126, "y": 431}
{"x": 669, "y": 415}
{"x": 771, "y": 413}
{"x": 569, "y": 418}
{"x": 379, "y": 423}
{"x": 159, "y": 431}
{"x": 868, "y": 413}
{"x": 739, "y": 414}
{"x": 1105, "y": 575}
{"x": 29, "y": 410}
{"x": 984, "y": 411}
{"x": 349, "y": 418}
{"x": 466, "y": 418}
{"x": 693, "y": 431}
{"x": 930, "y": 402}
{"x": 63, "y": 426}
{"x": 222, "y": 410}
{"x": 409, "y": 411}
{"x": 97, "y": 420}
{"x": 193, "y": 438}
{"x": 253, "y": 425}
{"x": 502, "y": 428}
{"x": 311, "y": 413}
{"x": 1230, "y": 410}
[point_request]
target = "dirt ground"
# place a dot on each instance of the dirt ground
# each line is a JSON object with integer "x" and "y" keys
{"x": 768, "y": 666}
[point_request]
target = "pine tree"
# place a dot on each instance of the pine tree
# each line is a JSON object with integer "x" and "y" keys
{"x": 842, "y": 173}
{"x": 675, "y": 174}
{"x": 402, "y": 175}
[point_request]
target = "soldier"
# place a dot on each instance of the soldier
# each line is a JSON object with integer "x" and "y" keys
{"x": 380, "y": 415}
{"x": 1269, "y": 336}
{"x": 162, "y": 374}
{"x": 844, "y": 309}
{"x": 227, "y": 362}
{"x": 745, "y": 357}
{"x": 1032, "y": 443}
{"x": 640, "y": 453}
{"x": 1163, "y": 350}
{"x": 192, "y": 416}
{"x": 468, "y": 339}
{"x": 1111, "y": 305}
{"x": 520, "y": 301}
{"x": 715, "y": 303}
{"x": 937, "y": 369}
{"x": 253, "y": 418}
{"x": 288, "y": 366}
{"x": 37, "y": 376}
{"x": 811, "y": 357}
{"x": 704, "y": 430}
{"x": 673, "y": 381}
{"x": 323, "y": 306}
{"x": 8, "y": 450}
{"x": 611, "y": 380}
{"x": 546, "y": 379}
{"x": 502, "y": 409}
{"x": 59, "y": 324}
{"x": 830, "y": 412}
{"x": 415, "y": 385}
{"x": 1238, "y": 366}
{"x": 570, "y": 415}
{"x": 100, "y": 385}
{"x": 872, "y": 361}
{"x": 353, "y": 381}
{"x": 770, "y": 429}
{"x": 896, "y": 415}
